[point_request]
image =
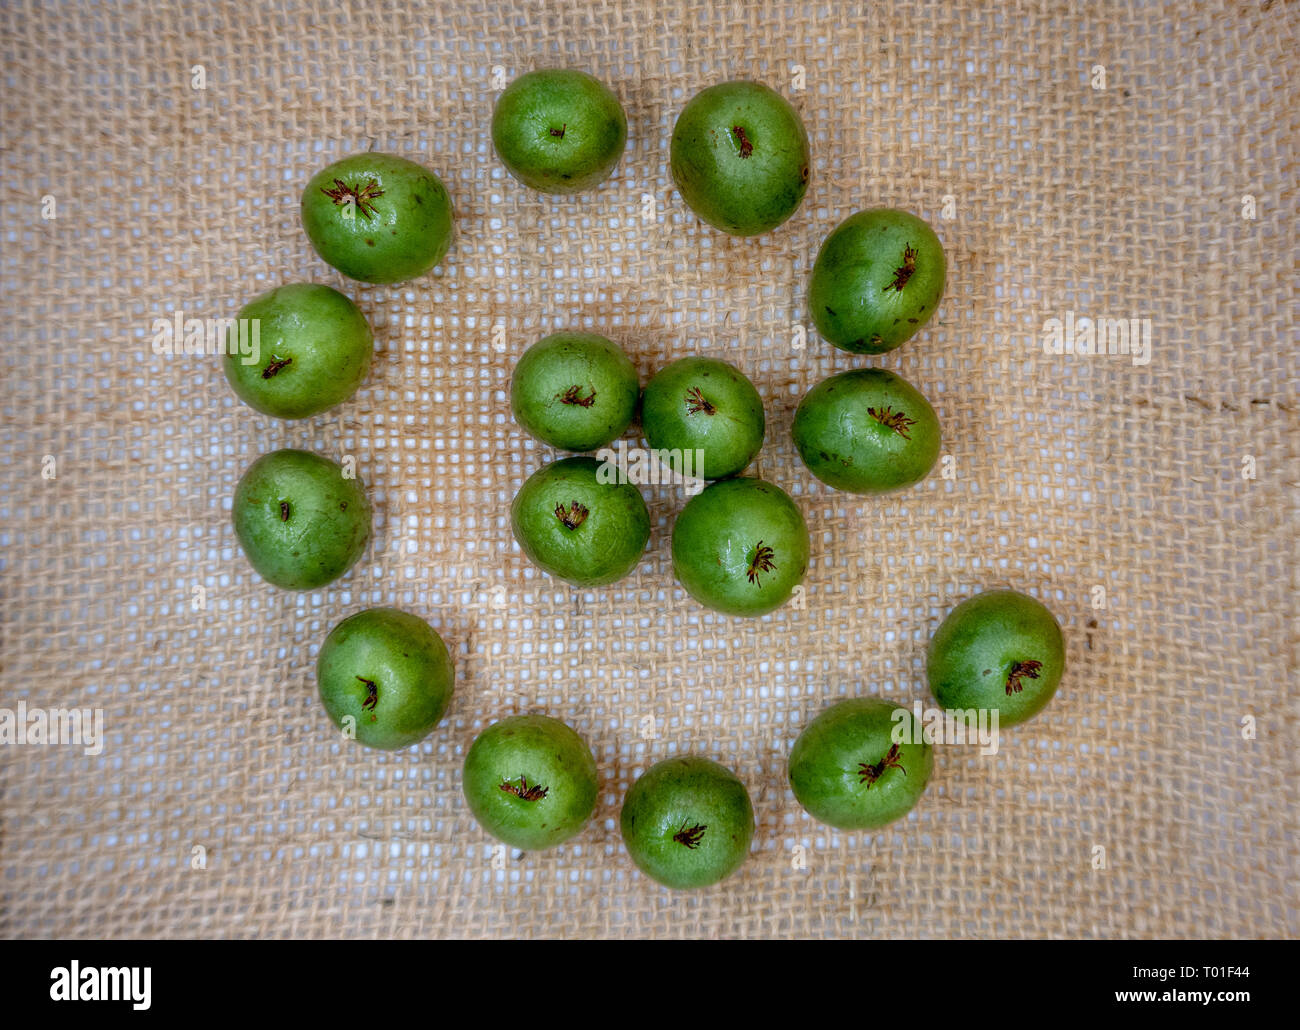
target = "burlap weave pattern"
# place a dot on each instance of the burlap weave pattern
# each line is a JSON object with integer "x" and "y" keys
{"x": 223, "y": 803}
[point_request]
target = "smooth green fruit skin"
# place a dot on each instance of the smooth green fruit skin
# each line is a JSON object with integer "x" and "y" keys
{"x": 322, "y": 335}
{"x": 973, "y": 652}
{"x": 582, "y": 108}
{"x": 730, "y": 438}
{"x": 850, "y": 295}
{"x": 408, "y": 663}
{"x": 542, "y": 389}
{"x": 686, "y": 792}
{"x": 408, "y": 233}
{"x": 604, "y": 547}
{"x": 546, "y": 753}
{"x": 715, "y": 539}
{"x": 744, "y": 196}
{"x": 328, "y": 521}
{"x": 846, "y": 447}
{"x": 825, "y": 764}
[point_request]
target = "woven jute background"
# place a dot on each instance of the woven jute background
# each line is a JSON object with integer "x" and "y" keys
{"x": 1116, "y": 159}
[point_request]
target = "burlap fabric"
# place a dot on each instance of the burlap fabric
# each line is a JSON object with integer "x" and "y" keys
{"x": 1077, "y": 160}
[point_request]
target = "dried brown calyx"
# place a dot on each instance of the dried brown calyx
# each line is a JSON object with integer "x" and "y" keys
{"x": 869, "y": 773}
{"x": 372, "y": 697}
{"x": 572, "y": 515}
{"x": 696, "y": 402}
{"x": 275, "y": 366}
{"x": 1019, "y": 671}
{"x": 285, "y": 511}
{"x": 363, "y": 198}
{"x": 904, "y": 271}
{"x": 573, "y": 395}
{"x": 524, "y": 792}
{"x": 559, "y": 133}
{"x": 742, "y": 141}
{"x": 763, "y": 561}
{"x": 895, "y": 420}
{"x": 690, "y": 836}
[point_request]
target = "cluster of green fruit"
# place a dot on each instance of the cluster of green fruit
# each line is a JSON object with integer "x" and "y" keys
{"x": 740, "y": 160}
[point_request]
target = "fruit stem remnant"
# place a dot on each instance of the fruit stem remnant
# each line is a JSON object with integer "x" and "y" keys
{"x": 904, "y": 271}
{"x": 372, "y": 697}
{"x": 275, "y": 366}
{"x": 524, "y": 792}
{"x": 696, "y": 402}
{"x": 742, "y": 141}
{"x": 1020, "y": 670}
{"x": 690, "y": 835}
{"x": 871, "y": 773}
{"x": 895, "y": 420}
{"x": 362, "y": 198}
{"x": 573, "y": 395}
{"x": 572, "y": 515}
{"x": 559, "y": 133}
{"x": 762, "y": 562}
{"x": 284, "y": 511}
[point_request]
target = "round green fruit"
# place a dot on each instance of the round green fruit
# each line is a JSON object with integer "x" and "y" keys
{"x": 860, "y": 764}
{"x": 739, "y": 156}
{"x": 573, "y": 390}
{"x": 867, "y": 431}
{"x": 740, "y": 547}
{"x": 704, "y": 410}
{"x": 999, "y": 651}
{"x": 378, "y": 218}
{"x": 559, "y": 130}
{"x": 877, "y": 280}
{"x": 530, "y": 781}
{"x": 299, "y": 521}
{"x": 687, "y": 822}
{"x": 385, "y": 678}
{"x": 313, "y": 349}
{"x": 573, "y": 520}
